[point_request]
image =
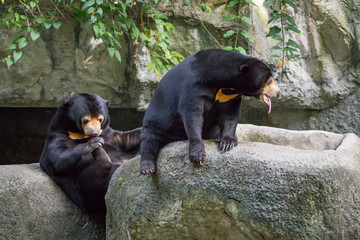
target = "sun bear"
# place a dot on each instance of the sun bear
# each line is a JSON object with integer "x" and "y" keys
{"x": 200, "y": 99}
{"x": 82, "y": 151}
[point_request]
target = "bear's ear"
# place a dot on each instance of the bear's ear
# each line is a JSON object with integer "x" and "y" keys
{"x": 107, "y": 103}
{"x": 244, "y": 68}
{"x": 66, "y": 103}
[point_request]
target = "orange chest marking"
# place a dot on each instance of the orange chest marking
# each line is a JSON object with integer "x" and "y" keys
{"x": 77, "y": 136}
{"x": 221, "y": 97}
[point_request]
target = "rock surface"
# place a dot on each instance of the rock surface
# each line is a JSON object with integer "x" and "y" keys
{"x": 319, "y": 91}
{"x": 34, "y": 207}
{"x": 276, "y": 184}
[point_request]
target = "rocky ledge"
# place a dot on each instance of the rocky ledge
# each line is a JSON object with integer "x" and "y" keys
{"x": 276, "y": 184}
{"x": 34, "y": 207}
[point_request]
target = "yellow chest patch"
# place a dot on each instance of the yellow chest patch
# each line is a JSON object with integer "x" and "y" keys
{"x": 221, "y": 97}
{"x": 77, "y": 136}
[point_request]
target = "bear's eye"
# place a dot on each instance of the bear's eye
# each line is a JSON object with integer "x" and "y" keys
{"x": 101, "y": 120}
{"x": 85, "y": 121}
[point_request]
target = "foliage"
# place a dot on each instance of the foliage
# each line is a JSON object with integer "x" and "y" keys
{"x": 285, "y": 23}
{"x": 113, "y": 20}
{"x": 289, "y": 48}
{"x": 239, "y": 19}
{"x": 109, "y": 19}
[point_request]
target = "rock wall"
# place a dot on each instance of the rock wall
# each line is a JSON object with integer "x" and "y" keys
{"x": 320, "y": 91}
{"x": 276, "y": 184}
{"x": 33, "y": 207}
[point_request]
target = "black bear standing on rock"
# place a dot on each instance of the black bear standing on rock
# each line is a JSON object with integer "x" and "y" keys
{"x": 200, "y": 99}
{"x": 82, "y": 152}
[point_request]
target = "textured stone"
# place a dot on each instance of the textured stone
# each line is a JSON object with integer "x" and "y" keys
{"x": 276, "y": 184}
{"x": 34, "y": 207}
{"x": 324, "y": 79}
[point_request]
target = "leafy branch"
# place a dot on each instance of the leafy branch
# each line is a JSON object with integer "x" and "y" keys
{"x": 289, "y": 48}
{"x": 239, "y": 19}
{"x": 109, "y": 20}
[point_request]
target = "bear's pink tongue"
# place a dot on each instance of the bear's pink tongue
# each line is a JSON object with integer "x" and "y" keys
{"x": 267, "y": 100}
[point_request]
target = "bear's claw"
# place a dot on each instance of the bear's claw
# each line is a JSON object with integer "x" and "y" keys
{"x": 227, "y": 143}
{"x": 147, "y": 167}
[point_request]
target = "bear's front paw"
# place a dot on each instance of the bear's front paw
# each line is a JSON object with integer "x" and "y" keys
{"x": 197, "y": 154}
{"x": 94, "y": 143}
{"x": 147, "y": 167}
{"x": 227, "y": 143}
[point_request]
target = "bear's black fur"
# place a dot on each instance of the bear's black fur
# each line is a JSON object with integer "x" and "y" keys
{"x": 200, "y": 99}
{"x": 82, "y": 152}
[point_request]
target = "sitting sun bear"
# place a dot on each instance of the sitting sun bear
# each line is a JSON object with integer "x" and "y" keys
{"x": 200, "y": 99}
{"x": 82, "y": 152}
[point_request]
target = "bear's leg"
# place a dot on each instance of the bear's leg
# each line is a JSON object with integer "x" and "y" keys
{"x": 228, "y": 119}
{"x": 94, "y": 180}
{"x": 193, "y": 123}
{"x": 149, "y": 149}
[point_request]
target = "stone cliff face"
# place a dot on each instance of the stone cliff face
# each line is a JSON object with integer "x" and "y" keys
{"x": 319, "y": 91}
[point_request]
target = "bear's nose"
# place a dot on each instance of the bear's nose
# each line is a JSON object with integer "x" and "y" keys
{"x": 278, "y": 94}
{"x": 94, "y": 134}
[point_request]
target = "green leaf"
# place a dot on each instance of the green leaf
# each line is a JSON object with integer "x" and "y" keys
{"x": 90, "y": 10}
{"x": 117, "y": 55}
{"x": 47, "y": 25}
{"x": 10, "y": 47}
{"x": 17, "y": 55}
{"x": 151, "y": 66}
{"x": 144, "y": 37}
{"x": 189, "y": 3}
{"x": 273, "y": 31}
{"x": 88, "y": 4}
{"x": 277, "y": 37}
{"x": 289, "y": 18}
{"x": 32, "y": 4}
{"x": 232, "y": 3}
{"x": 111, "y": 51}
{"x": 157, "y": 70}
{"x": 99, "y": 2}
{"x": 247, "y": 35}
{"x": 56, "y": 24}
{"x": 230, "y": 17}
{"x": 34, "y": 35}
{"x": 22, "y": 42}
{"x": 158, "y": 61}
{"x": 291, "y": 49}
{"x": 276, "y": 48}
{"x": 135, "y": 32}
{"x": 251, "y": 2}
{"x": 230, "y": 48}
{"x": 275, "y": 56}
{"x": 246, "y": 19}
{"x": 9, "y": 62}
{"x": 241, "y": 50}
{"x": 269, "y": 3}
{"x": 229, "y": 33}
{"x": 293, "y": 5}
{"x": 163, "y": 45}
{"x": 100, "y": 11}
{"x": 96, "y": 31}
{"x": 319, "y": 22}
{"x": 174, "y": 61}
{"x": 292, "y": 43}
{"x": 293, "y": 28}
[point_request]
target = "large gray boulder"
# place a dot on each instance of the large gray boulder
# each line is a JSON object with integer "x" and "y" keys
{"x": 33, "y": 207}
{"x": 276, "y": 184}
